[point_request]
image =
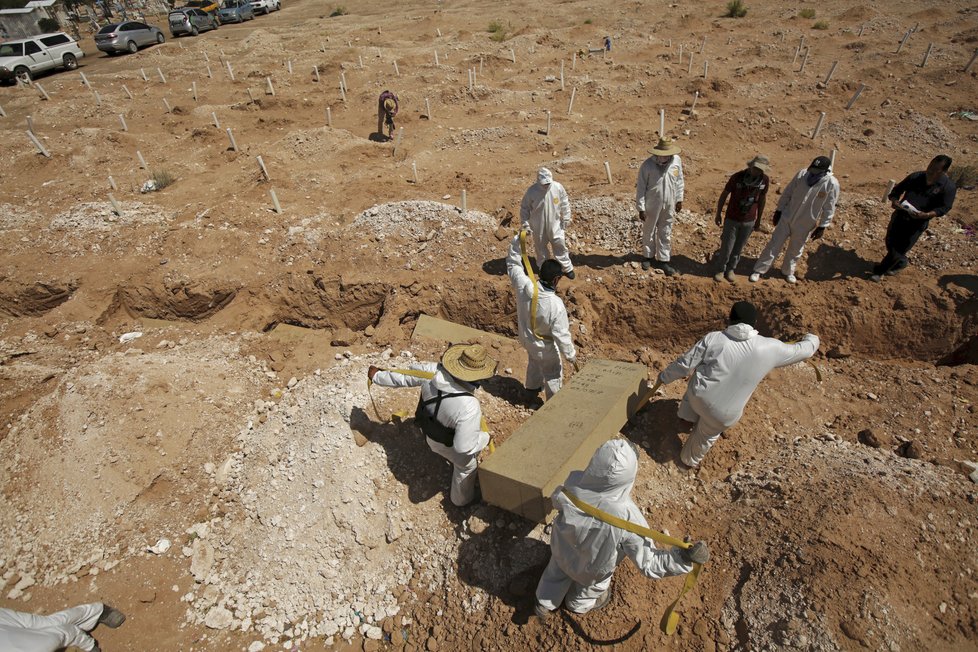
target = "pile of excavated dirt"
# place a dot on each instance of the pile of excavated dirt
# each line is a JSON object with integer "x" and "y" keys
{"x": 185, "y": 427}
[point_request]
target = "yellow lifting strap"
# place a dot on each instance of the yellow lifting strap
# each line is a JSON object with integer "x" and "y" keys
{"x": 670, "y": 619}
{"x": 400, "y": 415}
{"x": 536, "y": 290}
{"x": 818, "y": 372}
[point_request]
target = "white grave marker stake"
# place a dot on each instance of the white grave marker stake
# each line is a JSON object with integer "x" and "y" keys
{"x": 397, "y": 143}
{"x": 142, "y": 161}
{"x": 689, "y": 70}
{"x": 570, "y": 105}
{"x": 128, "y": 92}
{"x": 396, "y": 69}
{"x": 361, "y": 61}
{"x": 30, "y": 124}
{"x": 216, "y": 122}
{"x": 512, "y": 54}
{"x": 804, "y": 61}
{"x": 706, "y": 68}
{"x": 143, "y": 73}
{"x": 818, "y": 125}
{"x": 277, "y": 206}
{"x": 315, "y": 72}
{"x": 832, "y": 159}
{"x": 680, "y": 53}
{"x": 85, "y": 80}
{"x": 414, "y": 171}
{"x": 855, "y": 96}
{"x": 971, "y": 62}
{"x": 329, "y": 117}
{"x": 861, "y": 28}
{"x": 290, "y": 66}
{"x": 115, "y": 205}
{"x": 696, "y": 97}
{"x": 703, "y": 45}
{"x": 38, "y": 145}
{"x": 930, "y": 46}
{"x": 98, "y": 99}
{"x": 112, "y": 183}
{"x": 3, "y": 114}
{"x": 270, "y": 90}
{"x": 251, "y": 97}
{"x": 828, "y": 77}
{"x": 162, "y": 78}
{"x": 230, "y": 72}
{"x": 206, "y": 58}
{"x": 574, "y": 61}
{"x": 264, "y": 170}
{"x": 234, "y": 145}
{"x": 794, "y": 60}
{"x": 44, "y": 93}
{"x": 662, "y": 123}
{"x": 193, "y": 88}
{"x": 903, "y": 42}
{"x": 427, "y": 108}
{"x": 436, "y": 58}
{"x": 342, "y": 94}
{"x": 167, "y": 105}
{"x": 122, "y": 120}
{"x": 480, "y": 65}
{"x": 889, "y": 189}
{"x": 439, "y": 32}
{"x": 343, "y": 81}
{"x": 548, "y": 122}
{"x": 465, "y": 208}
{"x": 607, "y": 170}
{"x": 210, "y": 75}
{"x": 562, "y": 75}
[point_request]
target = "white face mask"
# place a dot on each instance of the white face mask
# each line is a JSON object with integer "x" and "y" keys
{"x": 663, "y": 160}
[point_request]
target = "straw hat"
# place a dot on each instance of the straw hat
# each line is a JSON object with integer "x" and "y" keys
{"x": 665, "y": 147}
{"x": 760, "y": 162}
{"x": 389, "y": 104}
{"x": 468, "y": 362}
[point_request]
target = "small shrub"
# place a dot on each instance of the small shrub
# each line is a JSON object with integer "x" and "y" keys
{"x": 964, "y": 176}
{"x": 339, "y": 11}
{"x": 736, "y": 9}
{"x": 495, "y": 27}
{"x": 821, "y": 24}
{"x": 163, "y": 178}
{"x": 588, "y": 21}
{"x": 807, "y": 12}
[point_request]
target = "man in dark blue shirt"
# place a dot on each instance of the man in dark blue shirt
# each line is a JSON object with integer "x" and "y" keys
{"x": 916, "y": 199}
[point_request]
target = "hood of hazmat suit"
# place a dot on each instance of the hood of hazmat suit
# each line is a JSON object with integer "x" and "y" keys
{"x": 586, "y": 548}
{"x": 544, "y": 177}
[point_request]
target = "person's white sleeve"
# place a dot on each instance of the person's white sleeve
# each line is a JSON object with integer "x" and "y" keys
{"x": 525, "y": 207}
{"x": 469, "y": 438}
{"x": 641, "y": 186}
{"x": 514, "y": 267}
{"x": 653, "y": 562}
{"x": 393, "y": 379}
{"x": 560, "y": 331}
{"x": 792, "y": 353}
{"x": 680, "y": 181}
{"x": 684, "y": 365}
{"x": 828, "y": 208}
{"x": 565, "y": 211}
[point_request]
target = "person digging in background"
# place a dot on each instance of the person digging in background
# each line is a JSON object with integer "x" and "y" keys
{"x": 387, "y": 107}
{"x": 585, "y": 551}
{"x": 747, "y": 191}
{"x": 547, "y": 338}
{"x": 916, "y": 200}
{"x": 545, "y": 212}
{"x": 658, "y": 197}
{"x": 25, "y": 632}
{"x": 724, "y": 368}
{"x": 804, "y": 211}
{"x": 448, "y": 413}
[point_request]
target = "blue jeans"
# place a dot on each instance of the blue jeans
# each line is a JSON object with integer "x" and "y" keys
{"x": 732, "y": 242}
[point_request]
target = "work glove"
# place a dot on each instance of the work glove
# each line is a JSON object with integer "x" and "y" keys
{"x": 641, "y": 215}
{"x": 817, "y": 232}
{"x": 698, "y": 553}
{"x": 679, "y": 206}
{"x": 718, "y": 220}
{"x": 777, "y": 217}
{"x": 371, "y": 370}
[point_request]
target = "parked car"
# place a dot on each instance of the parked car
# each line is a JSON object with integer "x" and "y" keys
{"x": 191, "y": 21}
{"x": 236, "y": 11}
{"x": 122, "y": 37}
{"x": 265, "y": 6}
{"x": 25, "y": 58}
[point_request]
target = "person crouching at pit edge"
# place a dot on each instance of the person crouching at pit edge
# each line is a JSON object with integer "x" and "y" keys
{"x": 549, "y": 337}
{"x": 585, "y": 551}
{"x": 724, "y": 368}
{"x": 448, "y": 413}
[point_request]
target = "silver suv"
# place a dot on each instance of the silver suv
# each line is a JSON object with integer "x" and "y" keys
{"x": 190, "y": 20}
{"x": 25, "y": 58}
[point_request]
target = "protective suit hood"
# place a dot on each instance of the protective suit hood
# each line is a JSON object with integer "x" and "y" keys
{"x": 544, "y": 177}
{"x": 610, "y": 474}
{"x": 740, "y": 332}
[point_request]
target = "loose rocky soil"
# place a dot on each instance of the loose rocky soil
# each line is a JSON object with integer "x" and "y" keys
{"x": 238, "y": 426}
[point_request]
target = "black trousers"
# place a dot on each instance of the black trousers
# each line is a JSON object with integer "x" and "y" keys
{"x": 901, "y": 235}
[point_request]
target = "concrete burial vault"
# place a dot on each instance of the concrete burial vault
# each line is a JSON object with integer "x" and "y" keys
{"x": 561, "y": 437}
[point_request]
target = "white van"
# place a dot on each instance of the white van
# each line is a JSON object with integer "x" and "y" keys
{"x": 26, "y": 57}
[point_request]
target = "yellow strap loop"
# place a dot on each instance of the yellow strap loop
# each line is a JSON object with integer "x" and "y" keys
{"x": 536, "y": 291}
{"x": 670, "y": 619}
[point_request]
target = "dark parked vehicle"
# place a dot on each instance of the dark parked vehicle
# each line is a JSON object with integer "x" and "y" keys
{"x": 127, "y": 37}
{"x": 190, "y": 21}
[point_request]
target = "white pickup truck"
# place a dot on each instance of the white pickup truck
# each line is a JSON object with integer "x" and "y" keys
{"x": 26, "y": 57}
{"x": 265, "y": 6}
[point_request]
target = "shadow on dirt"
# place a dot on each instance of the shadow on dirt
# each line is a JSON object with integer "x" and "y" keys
{"x": 656, "y": 429}
{"x": 833, "y": 263}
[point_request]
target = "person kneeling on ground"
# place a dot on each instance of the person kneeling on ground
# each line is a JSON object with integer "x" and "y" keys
{"x": 448, "y": 413}
{"x": 726, "y": 367}
{"x": 585, "y": 551}
{"x": 24, "y": 632}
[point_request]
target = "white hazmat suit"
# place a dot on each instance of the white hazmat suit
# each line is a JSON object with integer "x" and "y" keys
{"x": 545, "y": 212}
{"x": 543, "y": 365}
{"x": 584, "y": 550}
{"x": 25, "y": 632}
{"x": 659, "y": 189}
{"x": 462, "y": 413}
{"x": 726, "y": 367}
{"x": 803, "y": 208}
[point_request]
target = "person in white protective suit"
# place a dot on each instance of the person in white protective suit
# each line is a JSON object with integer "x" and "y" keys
{"x": 545, "y": 212}
{"x": 548, "y": 338}
{"x": 585, "y": 551}
{"x": 24, "y": 632}
{"x": 448, "y": 412}
{"x": 804, "y": 211}
{"x": 726, "y": 367}
{"x": 658, "y": 197}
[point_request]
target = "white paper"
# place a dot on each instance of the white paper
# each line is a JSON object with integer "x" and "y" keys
{"x": 907, "y": 206}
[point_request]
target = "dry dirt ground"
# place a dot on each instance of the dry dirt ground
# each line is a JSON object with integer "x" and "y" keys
{"x": 239, "y": 428}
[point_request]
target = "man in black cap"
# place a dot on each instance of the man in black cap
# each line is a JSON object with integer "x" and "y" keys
{"x": 916, "y": 200}
{"x": 726, "y": 367}
{"x": 804, "y": 211}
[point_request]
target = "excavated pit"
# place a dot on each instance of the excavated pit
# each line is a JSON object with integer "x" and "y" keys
{"x": 185, "y": 302}
{"x": 34, "y": 299}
